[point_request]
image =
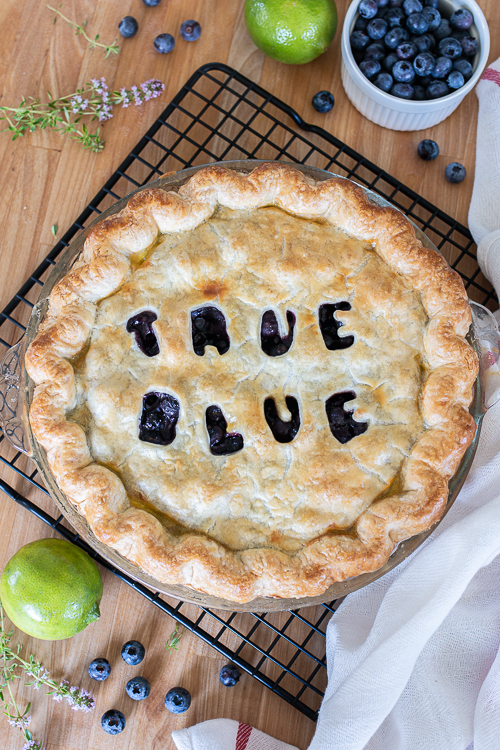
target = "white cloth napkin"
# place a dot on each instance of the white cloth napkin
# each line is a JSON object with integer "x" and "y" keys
{"x": 413, "y": 658}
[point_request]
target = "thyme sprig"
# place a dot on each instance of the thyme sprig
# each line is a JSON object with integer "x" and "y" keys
{"x": 172, "y": 643}
{"x": 64, "y": 114}
{"x": 80, "y": 29}
{"x": 11, "y": 663}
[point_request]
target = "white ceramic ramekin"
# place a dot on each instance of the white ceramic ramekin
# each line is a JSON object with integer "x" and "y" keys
{"x": 401, "y": 114}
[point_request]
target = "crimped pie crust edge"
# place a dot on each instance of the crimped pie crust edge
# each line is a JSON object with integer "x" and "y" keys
{"x": 194, "y": 559}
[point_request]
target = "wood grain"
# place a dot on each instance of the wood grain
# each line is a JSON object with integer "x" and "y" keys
{"x": 48, "y": 179}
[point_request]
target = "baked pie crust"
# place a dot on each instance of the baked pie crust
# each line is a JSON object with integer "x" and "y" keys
{"x": 282, "y": 519}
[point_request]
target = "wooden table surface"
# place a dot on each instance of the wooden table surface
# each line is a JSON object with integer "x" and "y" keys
{"x": 48, "y": 179}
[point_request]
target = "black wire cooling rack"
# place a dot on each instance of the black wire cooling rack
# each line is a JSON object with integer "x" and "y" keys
{"x": 220, "y": 114}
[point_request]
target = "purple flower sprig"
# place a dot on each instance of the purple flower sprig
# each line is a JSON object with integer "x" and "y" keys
{"x": 10, "y": 660}
{"x": 64, "y": 114}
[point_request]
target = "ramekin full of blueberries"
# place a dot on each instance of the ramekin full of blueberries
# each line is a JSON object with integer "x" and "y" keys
{"x": 407, "y": 64}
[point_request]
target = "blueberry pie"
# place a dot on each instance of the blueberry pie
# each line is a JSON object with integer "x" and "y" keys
{"x": 257, "y": 385}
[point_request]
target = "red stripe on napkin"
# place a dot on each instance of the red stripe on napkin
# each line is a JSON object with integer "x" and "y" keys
{"x": 491, "y": 75}
{"x": 244, "y": 732}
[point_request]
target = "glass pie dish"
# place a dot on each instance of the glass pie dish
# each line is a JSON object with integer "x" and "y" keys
{"x": 18, "y": 391}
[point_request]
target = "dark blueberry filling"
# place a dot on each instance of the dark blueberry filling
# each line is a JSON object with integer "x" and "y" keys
{"x": 329, "y": 326}
{"x": 160, "y": 413}
{"x": 222, "y": 443}
{"x": 284, "y": 432}
{"x": 272, "y": 343}
{"x": 142, "y": 326}
{"x": 208, "y": 328}
{"x": 342, "y": 425}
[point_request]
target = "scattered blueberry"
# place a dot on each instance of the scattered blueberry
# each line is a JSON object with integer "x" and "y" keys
{"x": 412, "y": 6}
{"x": 177, "y": 700}
{"x": 464, "y": 67}
{"x": 455, "y": 80}
{"x": 450, "y": 47}
{"x": 403, "y": 91}
{"x": 164, "y": 43}
{"x": 433, "y": 18}
{"x": 359, "y": 40}
{"x": 375, "y": 51}
{"x": 395, "y": 17}
{"x": 384, "y": 82}
{"x": 436, "y": 90}
{"x": 323, "y": 101}
{"x": 368, "y": 8}
{"x": 424, "y": 64}
{"x": 469, "y": 46}
{"x": 99, "y": 669}
{"x": 389, "y": 61}
{"x": 406, "y": 51}
{"x": 370, "y": 68}
{"x": 138, "y": 688}
{"x": 417, "y": 23}
{"x": 442, "y": 67}
{"x": 403, "y": 72}
{"x": 113, "y": 722}
{"x": 190, "y": 31}
{"x": 455, "y": 172}
{"x": 443, "y": 30}
{"x": 229, "y": 675}
{"x": 462, "y": 19}
{"x": 128, "y": 27}
{"x": 377, "y": 28}
{"x": 428, "y": 150}
{"x": 151, "y": 3}
{"x": 133, "y": 652}
{"x": 395, "y": 37}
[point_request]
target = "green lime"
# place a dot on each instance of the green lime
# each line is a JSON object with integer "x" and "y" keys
{"x": 291, "y": 31}
{"x": 51, "y": 589}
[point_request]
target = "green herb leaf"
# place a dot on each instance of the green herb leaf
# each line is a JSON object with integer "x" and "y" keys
{"x": 53, "y": 229}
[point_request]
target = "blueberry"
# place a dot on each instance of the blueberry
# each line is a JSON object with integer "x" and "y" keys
{"x": 190, "y": 31}
{"x": 395, "y": 37}
{"x": 403, "y": 91}
{"x": 359, "y": 40}
{"x": 395, "y": 3}
{"x": 423, "y": 64}
{"x": 464, "y": 67}
{"x": 164, "y": 43}
{"x": 443, "y": 30}
{"x": 433, "y": 18}
{"x": 450, "y": 47}
{"x": 370, "y": 68}
{"x": 403, "y": 72}
{"x": 113, "y": 721}
{"x": 442, "y": 67}
{"x": 177, "y": 700}
{"x": 422, "y": 43}
{"x": 360, "y": 23}
{"x": 455, "y": 80}
{"x": 133, "y": 652}
{"x": 377, "y": 28}
{"x": 323, "y": 101}
{"x": 455, "y": 172}
{"x": 406, "y": 51}
{"x": 390, "y": 61}
{"x": 229, "y": 675}
{"x": 424, "y": 81}
{"x": 375, "y": 51}
{"x": 128, "y": 27}
{"x": 151, "y": 3}
{"x": 428, "y": 150}
{"x": 382, "y": 3}
{"x": 417, "y": 23}
{"x": 412, "y": 6}
{"x": 395, "y": 17}
{"x": 99, "y": 669}
{"x": 419, "y": 93}
{"x": 462, "y": 19}
{"x": 470, "y": 46}
{"x": 138, "y": 688}
{"x": 384, "y": 82}
{"x": 368, "y": 8}
{"x": 431, "y": 3}
{"x": 436, "y": 90}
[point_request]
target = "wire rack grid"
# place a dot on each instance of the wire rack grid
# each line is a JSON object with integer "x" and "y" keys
{"x": 221, "y": 115}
